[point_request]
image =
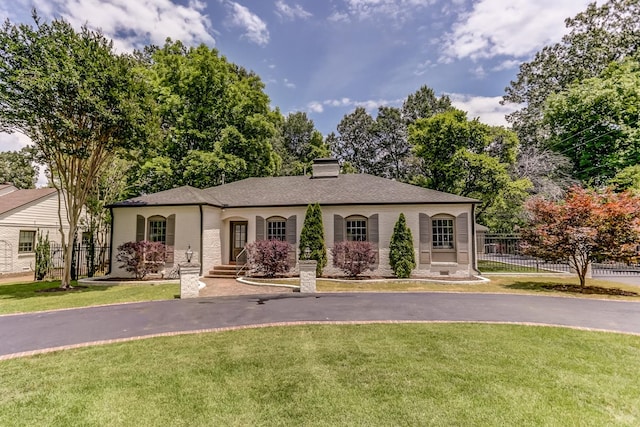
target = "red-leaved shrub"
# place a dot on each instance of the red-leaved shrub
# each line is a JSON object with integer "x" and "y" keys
{"x": 269, "y": 257}
{"x": 141, "y": 258}
{"x": 353, "y": 257}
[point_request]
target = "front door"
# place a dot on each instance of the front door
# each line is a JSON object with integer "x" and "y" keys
{"x": 238, "y": 238}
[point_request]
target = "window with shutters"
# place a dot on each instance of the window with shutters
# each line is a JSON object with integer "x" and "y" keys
{"x": 157, "y": 229}
{"x": 356, "y": 228}
{"x": 443, "y": 233}
{"x": 277, "y": 228}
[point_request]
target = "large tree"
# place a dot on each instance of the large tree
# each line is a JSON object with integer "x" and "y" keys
{"x": 598, "y": 36}
{"x": 583, "y": 227}
{"x": 472, "y": 159}
{"x": 17, "y": 168}
{"x": 596, "y": 122}
{"x": 301, "y": 143}
{"x": 216, "y": 121}
{"x": 355, "y": 143}
{"x": 423, "y": 104}
{"x": 77, "y": 101}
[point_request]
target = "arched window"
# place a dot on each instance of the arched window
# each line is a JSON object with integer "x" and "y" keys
{"x": 443, "y": 232}
{"x": 356, "y": 228}
{"x": 157, "y": 229}
{"x": 277, "y": 228}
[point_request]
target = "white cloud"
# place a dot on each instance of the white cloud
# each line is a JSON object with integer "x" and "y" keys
{"x": 479, "y": 72}
{"x": 395, "y": 10}
{"x": 486, "y": 108}
{"x": 518, "y": 28}
{"x": 13, "y": 141}
{"x": 370, "y": 105}
{"x": 339, "y": 17}
{"x": 289, "y": 84}
{"x": 255, "y": 29}
{"x": 506, "y": 65}
{"x": 296, "y": 11}
{"x": 315, "y": 107}
{"x": 133, "y": 24}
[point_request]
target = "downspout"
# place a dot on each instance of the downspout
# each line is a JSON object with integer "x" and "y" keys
{"x": 474, "y": 251}
{"x": 110, "y": 242}
{"x": 201, "y": 238}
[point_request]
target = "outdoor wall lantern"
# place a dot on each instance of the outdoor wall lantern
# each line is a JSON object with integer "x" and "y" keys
{"x": 189, "y": 253}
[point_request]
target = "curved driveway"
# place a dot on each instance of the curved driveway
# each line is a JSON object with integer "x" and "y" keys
{"x": 28, "y": 333}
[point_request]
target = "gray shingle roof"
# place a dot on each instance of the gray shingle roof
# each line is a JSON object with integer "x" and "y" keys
{"x": 349, "y": 189}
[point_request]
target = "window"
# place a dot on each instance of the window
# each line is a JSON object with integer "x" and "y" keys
{"x": 356, "y": 229}
{"x": 157, "y": 230}
{"x": 277, "y": 229}
{"x": 26, "y": 242}
{"x": 442, "y": 233}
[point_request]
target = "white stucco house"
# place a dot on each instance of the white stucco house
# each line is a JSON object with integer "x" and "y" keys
{"x": 217, "y": 222}
{"x": 23, "y": 213}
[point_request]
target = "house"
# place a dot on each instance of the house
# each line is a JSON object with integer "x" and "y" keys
{"x": 217, "y": 222}
{"x": 23, "y": 213}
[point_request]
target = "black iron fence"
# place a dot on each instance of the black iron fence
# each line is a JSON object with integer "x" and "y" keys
{"x": 501, "y": 253}
{"x": 87, "y": 261}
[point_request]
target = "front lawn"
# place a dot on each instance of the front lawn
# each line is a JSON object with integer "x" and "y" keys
{"x": 419, "y": 374}
{"x": 25, "y": 297}
{"x": 527, "y": 284}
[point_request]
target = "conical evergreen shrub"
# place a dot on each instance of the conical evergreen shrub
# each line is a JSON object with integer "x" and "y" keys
{"x": 402, "y": 257}
{"x": 312, "y": 237}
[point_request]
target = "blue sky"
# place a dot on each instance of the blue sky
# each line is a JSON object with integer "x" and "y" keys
{"x": 326, "y": 57}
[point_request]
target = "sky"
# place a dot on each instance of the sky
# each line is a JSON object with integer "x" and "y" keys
{"x": 327, "y": 57}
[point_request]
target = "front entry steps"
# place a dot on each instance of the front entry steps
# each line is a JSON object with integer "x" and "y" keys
{"x": 223, "y": 272}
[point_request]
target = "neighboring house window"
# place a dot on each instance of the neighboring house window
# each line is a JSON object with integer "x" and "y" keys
{"x": 277, "y": 229}
{"x": 443, "y": 233}
{"x": 356, "y": 228}
{"x": 157, "y": 229}
{"x": 26, "y": 241}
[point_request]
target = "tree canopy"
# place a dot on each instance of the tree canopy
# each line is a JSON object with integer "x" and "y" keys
{"x": 597, "y": 36}
{"x": 469, "y": 158}
{"x": 16, "y": 167}
{"x": 215, "y": 121}
{"x": 596, "y": 122}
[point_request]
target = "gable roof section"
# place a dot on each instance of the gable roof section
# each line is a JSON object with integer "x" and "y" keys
{"x": 19, "y": 198}
{"x": 350, "y": 189}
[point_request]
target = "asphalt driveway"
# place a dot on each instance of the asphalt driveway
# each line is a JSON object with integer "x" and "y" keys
{"x": 34, "y": 332}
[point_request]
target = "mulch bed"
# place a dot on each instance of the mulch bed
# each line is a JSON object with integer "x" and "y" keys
{"x": 590, "y": 290}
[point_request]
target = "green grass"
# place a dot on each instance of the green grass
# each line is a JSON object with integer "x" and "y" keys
{"x": 503, "y": 267}
{"x": 429, "y": 374}
{"x": 23, "y": 297}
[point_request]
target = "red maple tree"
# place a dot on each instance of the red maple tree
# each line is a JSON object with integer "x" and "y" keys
{"x": 586, "y": 226}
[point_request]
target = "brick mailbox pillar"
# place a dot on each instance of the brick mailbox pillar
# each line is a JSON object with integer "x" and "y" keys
{"x": 189, "y": 274}
{"x": 308, "y": 276}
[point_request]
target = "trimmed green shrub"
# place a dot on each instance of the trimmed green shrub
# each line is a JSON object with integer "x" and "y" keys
{"x": 312, "y": 237}
{"x": 402, "y": 257}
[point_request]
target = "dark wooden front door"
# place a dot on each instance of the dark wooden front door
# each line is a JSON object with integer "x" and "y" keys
{"x": 238, "y": 238}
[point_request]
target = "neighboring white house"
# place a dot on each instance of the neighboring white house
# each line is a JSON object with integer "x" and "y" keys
{"x": 217, "y": 223}
{"x": 22, "y": 214}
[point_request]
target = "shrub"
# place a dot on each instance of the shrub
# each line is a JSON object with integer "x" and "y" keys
{"x": 43, "y": 256}
{"x": 141, "y": 258}
{"x": 353, "y": 258}
{"x": 270, "y": 257}
{"x": 312, "y": 237}
{"x": 402, "y": 258}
